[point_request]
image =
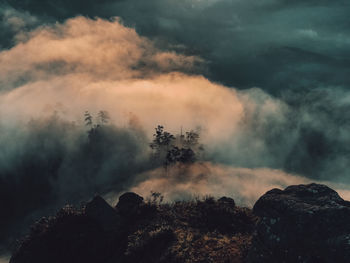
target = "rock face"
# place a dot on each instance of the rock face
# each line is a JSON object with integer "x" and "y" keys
{"x": 102, "y": 213}
{"x": 207, "y": 230}
{"x": 227, "y": 200}
{"x": 90, "y": 234}
{"x": 304, "y": 223}
{"x": 129, "y": 204}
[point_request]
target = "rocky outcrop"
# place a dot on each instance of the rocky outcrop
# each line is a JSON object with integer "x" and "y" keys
{"x": 206, "y": 230}
{"x": 129, "y": 204}
{"x": 304, "y": 223}
{"x": 89, "y": 234}
{"x": 227, "y": 200}
{"x": 102, "y": 213}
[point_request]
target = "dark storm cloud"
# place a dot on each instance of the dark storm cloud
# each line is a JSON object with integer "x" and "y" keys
{"x": 273, "y": 44}
{"x": 11, "y": 22}
{"x": 322, "y": 146}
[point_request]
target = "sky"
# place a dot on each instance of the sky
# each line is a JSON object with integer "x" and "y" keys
{"x": 265, "y": 82}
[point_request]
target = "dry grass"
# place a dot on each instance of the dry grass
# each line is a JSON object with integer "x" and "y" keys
{"x": 204, "y": 230}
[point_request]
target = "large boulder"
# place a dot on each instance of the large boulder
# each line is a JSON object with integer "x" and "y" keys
{"x": 92, "y": 234}
{"x": 227, "y": 201}
{"x": 129, "y": 204}
{"x": 303, "y": 223}
{"x": 102, "y": 213}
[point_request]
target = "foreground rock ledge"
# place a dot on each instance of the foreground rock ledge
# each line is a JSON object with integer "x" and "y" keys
{"x": 303, "y": 223}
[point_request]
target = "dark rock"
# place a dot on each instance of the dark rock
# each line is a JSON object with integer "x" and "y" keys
{"x": 303, "y": 223}
{"x": 189, "y": 231}
{"x": 102, "y": 213}
{"x": 72, "y": 236}
{"x": 129, "y": 204}
{"x": 227, "y": 200}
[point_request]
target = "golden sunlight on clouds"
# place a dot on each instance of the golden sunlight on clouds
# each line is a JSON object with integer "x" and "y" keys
{"x": 96, "y": 49}
{"x": 97, "y": 64}
{"x": 243, "y": 184}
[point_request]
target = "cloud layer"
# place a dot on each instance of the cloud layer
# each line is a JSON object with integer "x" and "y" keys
{"x": 93, "y": 49}
{"x": 245, "y": 185}
{"x": 93, "y": 64}
{"x": 53, "y": 74}
{"x": 87, "y": 64}
{"x": 274, "y": 44}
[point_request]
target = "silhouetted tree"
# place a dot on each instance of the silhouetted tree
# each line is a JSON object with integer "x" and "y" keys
{"x": 103, "y": 117}
{"x": 162, "y": 141}
{"x": 187, "y": 156}
{"x": 173, "y": 155}
{"x": 94, "y": 129}
{"x": 88, "y": 119}
{"x": 171, "y": 150}
{"x": 181, "y": 155}
{"x": 191, "y": 139}
{"x": 192, "y": 142}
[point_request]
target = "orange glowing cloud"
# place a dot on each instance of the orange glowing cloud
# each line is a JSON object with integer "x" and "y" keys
{"x": 96, "y": 49}
{"x": 245, "y": 185}
{"x": 87, "y": 64}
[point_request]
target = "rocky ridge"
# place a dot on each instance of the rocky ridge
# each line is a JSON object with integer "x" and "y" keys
{"x": 302, "y": 223}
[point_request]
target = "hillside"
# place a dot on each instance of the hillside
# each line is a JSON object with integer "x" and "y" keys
{"x": 304, "y": 223}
